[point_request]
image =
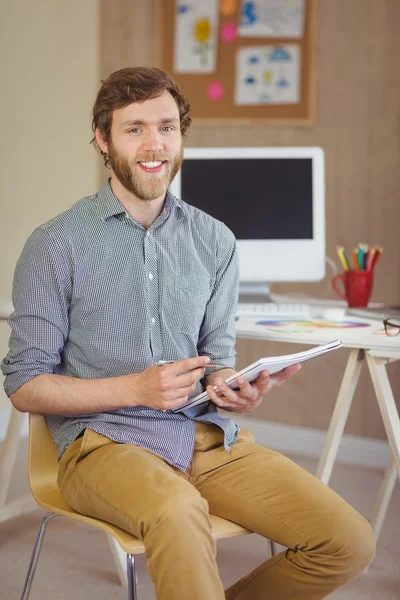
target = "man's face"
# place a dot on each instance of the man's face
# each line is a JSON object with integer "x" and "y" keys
{"x": 145, "y": 150}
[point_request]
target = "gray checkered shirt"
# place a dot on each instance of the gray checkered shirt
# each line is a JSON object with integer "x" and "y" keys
{"x": 97, "y": 295}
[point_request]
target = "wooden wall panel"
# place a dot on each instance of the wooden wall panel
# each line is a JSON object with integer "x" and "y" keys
{"x": 358, "y": 87}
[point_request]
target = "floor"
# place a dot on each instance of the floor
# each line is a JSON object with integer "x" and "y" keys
{"x": 76, "y": 561}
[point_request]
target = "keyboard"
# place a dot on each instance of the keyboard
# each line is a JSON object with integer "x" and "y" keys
{"x": 272, "y": 309}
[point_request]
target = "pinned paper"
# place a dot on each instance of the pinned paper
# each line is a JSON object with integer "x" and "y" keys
{"x": 196, "y": 30}
{"x": 268, "y": 75}
{"x": 272, "y": 18}
{"x": 228, "y": 32}
{"x": 228, "y": 7}
{"x": 215, "y": 91}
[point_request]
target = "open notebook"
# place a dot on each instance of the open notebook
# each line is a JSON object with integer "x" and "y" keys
{"x": 273, "y": 364}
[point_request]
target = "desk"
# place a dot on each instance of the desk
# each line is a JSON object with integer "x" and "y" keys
{"x": 366, "y": 346}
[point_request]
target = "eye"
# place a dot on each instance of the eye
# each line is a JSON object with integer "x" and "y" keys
{"x": 134, "y": 130}
{"x": 167, "y": 128}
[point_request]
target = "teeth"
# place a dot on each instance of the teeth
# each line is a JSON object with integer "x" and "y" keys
{"x": 152, "y": 164}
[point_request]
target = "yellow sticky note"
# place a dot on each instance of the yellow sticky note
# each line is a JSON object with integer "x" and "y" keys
{"x": 228, "y": 7}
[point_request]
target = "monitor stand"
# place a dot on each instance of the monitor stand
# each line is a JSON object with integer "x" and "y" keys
{"x": 254, "y": 291}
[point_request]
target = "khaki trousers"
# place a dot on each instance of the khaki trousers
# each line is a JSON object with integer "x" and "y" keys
{"x": 328, "y": 542}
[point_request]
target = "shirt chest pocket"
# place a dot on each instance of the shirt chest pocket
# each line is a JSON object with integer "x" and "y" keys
{"x": 184, "y": 302}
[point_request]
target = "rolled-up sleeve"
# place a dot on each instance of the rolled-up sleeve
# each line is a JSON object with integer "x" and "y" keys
{"x": 39, "y": 323}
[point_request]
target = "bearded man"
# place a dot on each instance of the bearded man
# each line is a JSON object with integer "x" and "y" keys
{"x": 124, "y": 279}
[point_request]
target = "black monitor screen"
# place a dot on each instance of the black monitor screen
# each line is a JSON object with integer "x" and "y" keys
{"x": 258, "y": 198}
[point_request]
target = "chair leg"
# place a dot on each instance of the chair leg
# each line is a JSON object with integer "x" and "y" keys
{"x": 35, "y": 555}
{"x": 131, "y": 575}
{"x": 272, "y": 548}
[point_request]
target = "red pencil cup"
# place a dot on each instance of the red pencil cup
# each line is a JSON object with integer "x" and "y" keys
{"x": 357, "y": 287}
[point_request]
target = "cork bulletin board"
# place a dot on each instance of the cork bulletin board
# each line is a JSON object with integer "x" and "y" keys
{"x": 230, "y": 89}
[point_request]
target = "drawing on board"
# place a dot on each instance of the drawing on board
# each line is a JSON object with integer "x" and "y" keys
{"x": 196, "y": 29}
{"x": 272, "y": 18}
{"x": 267, "y": 75}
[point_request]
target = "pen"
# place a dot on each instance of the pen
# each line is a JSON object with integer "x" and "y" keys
{"x": 168, "y": 362}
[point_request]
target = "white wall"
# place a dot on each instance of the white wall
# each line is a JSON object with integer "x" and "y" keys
{"x": 49, "y": 75}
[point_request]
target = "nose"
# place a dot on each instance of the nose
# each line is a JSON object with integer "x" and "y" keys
{"x": 153, "y": 141}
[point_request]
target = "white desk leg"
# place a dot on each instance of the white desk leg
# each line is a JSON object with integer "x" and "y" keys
{"x": 383, "y": 499}
{"x": 340, "y": 414}
{"x": 387, "y": 405}
{"x": 391, "y": 421}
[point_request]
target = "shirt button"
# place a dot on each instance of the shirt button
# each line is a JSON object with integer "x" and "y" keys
{"x": 153, "y": 320}
{"x": 147, "y": 232}
{"x": 151, "y": 276}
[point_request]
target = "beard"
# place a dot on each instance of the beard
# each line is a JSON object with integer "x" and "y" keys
{"x": 143, "y": 185}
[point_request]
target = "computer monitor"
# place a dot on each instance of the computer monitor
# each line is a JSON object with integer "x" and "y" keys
{"x": 273, "y": 199}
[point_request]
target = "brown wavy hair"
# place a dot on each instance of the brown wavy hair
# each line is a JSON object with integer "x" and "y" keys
{"x": 134, "y": 84}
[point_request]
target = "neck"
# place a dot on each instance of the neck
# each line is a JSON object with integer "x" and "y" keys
{"x": 143, "y": 211}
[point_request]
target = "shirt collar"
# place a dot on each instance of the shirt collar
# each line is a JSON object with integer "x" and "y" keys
{"x": 108, "y": 204}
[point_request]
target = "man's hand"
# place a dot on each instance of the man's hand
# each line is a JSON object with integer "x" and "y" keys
{"x": 249, "y": 395}
{"x": 167, "y": 387}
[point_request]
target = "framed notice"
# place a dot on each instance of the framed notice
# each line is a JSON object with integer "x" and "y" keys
{"x": 241, "y": 61}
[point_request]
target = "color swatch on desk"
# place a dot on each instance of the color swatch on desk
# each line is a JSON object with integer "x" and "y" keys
{"x": 307, "y": 326}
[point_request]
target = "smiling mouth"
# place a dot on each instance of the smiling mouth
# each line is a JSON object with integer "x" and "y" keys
{"x": 152, "y": 166}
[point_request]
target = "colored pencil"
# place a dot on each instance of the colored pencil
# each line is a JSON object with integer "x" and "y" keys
{"x": 343, "y": 258}
{"x": 363, "y": 256}
{"x": 378, "y": 253}
{"x": 370, "y": 258}
{"x": 355, "y": 259}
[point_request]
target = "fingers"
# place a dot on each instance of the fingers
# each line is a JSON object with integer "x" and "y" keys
{"x": 189, "y": 364}
{"x": 224, "y": 402}
{"x": 175, "y": 403}
{"x": 228, "y": 398}
{"x": 290, "y": 371}
{"x": 175, "y": 393}
{"x": 176, "y": 381}
{"x": 182, "y": 373}
{"x": 247, "y": 396}
{"x": 246, "y": 391}
{"x": 278, "y": 378}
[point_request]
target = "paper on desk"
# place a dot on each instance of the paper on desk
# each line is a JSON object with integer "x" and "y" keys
{"x": 273, "y": 364}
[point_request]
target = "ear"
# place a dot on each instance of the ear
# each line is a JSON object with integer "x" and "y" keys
{"x": 102, "y": 144}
